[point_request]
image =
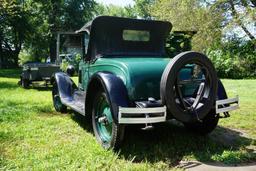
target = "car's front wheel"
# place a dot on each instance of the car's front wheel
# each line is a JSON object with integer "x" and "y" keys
{"x": 59, "y": 107}
{"x": 108, "y": 133}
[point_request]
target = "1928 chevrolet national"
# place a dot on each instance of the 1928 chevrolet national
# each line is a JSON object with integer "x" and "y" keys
{"x": 126, "y": 77}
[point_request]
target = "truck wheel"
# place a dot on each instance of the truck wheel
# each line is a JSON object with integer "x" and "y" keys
{"x": 207, "y": 125}
{"x": 108, "y": 133}
{"x": 71, "y": 70}
{"x": 189, "y": 87}
{"x": 25, "y": 83}
{"x": 59, "y": 107}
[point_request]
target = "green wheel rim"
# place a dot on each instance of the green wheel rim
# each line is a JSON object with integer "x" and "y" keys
{"x": 103, "y": 112}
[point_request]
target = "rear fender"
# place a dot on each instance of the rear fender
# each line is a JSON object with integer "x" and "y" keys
{"x": 66, "y": 86}
{"x": 221, "y": 91}
{"x": 113, "y": 86}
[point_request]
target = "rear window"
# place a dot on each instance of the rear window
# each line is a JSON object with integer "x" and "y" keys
{"x": 136, "y": 35}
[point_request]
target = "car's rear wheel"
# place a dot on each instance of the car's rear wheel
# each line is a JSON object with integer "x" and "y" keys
{"x": 108, "y": 133}
{"x": 189, "y": 88}
{"x": 24, "y": 83}
{"x": 59, "y": 107}
{"x": 205, "y": 126}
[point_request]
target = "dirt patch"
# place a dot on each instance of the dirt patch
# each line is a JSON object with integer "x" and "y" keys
{"x": 198, "y": 166}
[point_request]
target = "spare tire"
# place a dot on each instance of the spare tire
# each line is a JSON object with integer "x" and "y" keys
{"x": 186, "y": 70}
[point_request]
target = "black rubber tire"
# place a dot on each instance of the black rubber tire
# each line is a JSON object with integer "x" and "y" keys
{"x": 71, "y": 70}
{"x": 25, "y": 83}
{"x": 208, "y": 124}
{"x": 55, "y": 94}
{"x": 211, "y": 120}
{"x": 117, "y": 129}
{"x": 169, "y": 78}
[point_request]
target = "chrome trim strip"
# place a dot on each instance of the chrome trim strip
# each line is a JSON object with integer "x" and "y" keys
{"x": 141, "y": 120}
{"x": 231, "y": 101}
{"x": 228, "y": 101}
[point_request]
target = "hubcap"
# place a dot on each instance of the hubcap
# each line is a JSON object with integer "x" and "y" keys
{"x": 103, "y": 120}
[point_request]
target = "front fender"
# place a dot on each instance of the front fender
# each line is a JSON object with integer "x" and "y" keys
{"x": 114, "y": 88}
{"x": 66, "y": 86}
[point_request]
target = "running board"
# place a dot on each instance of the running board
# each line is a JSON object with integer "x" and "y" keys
{"x": 76, "y": 102}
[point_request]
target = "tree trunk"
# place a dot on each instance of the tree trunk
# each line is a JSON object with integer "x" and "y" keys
{"x": 1, "y": 54}
{"x": 53, "y": 49}
{"x": 16, "y": 58}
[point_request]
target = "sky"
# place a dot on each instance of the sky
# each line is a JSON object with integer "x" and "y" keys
{"x": 116, "y": 2}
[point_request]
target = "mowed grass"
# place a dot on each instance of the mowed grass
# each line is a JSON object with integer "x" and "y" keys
{"x": 35, "y": 137}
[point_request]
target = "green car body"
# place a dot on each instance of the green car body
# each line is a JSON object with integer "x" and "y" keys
{"x": 140, "y": 75}
{"x": 126, "y": 77}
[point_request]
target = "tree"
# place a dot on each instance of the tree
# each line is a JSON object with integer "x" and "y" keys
{"x": 191, "y": 15}
{"x": 142, "y": 8}
{"x": 51, "y": 16}
{"x": 114, "y": 10}
{"x": 238, "y": 13}
{"x": 14, "y": 30}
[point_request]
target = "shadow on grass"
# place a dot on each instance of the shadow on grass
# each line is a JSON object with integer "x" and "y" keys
{"x": 40, "y": 86}
{"x": 170, "y": 142}
{"x": 83, "y": 121}
{"x": 8, "y": 85}
{"x": 10, "y": 73}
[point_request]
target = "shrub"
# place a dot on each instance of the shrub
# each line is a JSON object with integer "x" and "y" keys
{"x": 25, "y": 56}
{"x": 234, "y": 61}
{"x": 71, "y": 61}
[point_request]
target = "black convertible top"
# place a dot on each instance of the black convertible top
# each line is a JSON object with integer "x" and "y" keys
{"x": 107, "y": 39}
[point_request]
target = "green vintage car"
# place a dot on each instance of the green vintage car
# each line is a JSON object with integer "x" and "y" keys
{"x": 126, "y": 77}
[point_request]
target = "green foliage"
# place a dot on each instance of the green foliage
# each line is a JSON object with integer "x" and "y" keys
{"x": 14, "y": 30}
{"x": 114, "y": 10}
{"x": 24, "y": 57}
{"x": 234, "y": 60}
{"x": 142, "y": 8}
{"x": 191, "y": 15}
{"x": 73, "y": 61}
{"x": 32, "y": 25}
{"x": 178, "y": 42}
{"x": 52, "y": 16}
{"x": 239, "y": 15}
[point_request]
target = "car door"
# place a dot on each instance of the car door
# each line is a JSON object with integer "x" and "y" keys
{"x": 84, "y": 65}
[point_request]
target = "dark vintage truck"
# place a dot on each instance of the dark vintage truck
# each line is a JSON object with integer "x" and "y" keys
{"x": 37, "y": 71}
{"x": 125, "y": 77}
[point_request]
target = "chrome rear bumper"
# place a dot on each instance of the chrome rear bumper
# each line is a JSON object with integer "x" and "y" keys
{"x": 129, "y": 115}
{"x": 227, "y": 105}
{"x": 133, "y": 115}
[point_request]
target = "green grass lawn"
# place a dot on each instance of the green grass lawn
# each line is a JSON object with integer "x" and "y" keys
{"x": 35, "y": 137}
